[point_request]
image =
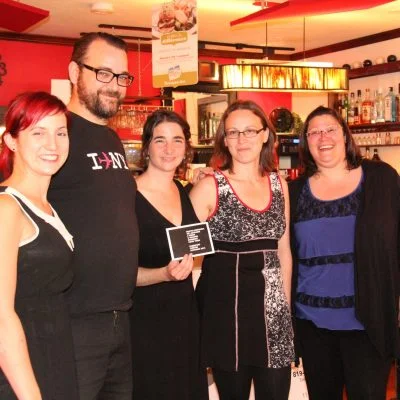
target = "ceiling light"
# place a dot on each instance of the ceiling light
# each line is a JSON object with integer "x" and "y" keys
{"x": 283, "y": 78}
{"x": 102, "y": 7}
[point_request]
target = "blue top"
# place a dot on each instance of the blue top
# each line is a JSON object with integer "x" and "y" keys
{"x": 324, "y": 234}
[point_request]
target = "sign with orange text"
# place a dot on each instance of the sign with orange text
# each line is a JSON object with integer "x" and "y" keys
{"x": 175, "y": 43}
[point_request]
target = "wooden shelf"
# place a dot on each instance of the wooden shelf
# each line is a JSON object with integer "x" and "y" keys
{"x": 379, "y": 127}
{"x": 378, "y": 145}
{"x": 379, "y": 69}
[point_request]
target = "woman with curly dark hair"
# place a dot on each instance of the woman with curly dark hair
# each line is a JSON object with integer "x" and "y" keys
{"x": 164, "y": 316}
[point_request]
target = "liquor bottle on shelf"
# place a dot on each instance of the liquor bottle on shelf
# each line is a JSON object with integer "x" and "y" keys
{"x": 338, "y": 105}
{"x": 345, "y": 107}
{"x": 373, "y": 107}
{"x": 388, "y": 138}
{"x": 350, "y": 113}
{"x": 376, "y": 157}
{"x": 390, "y": 106}
{"x": 398, "y": 105}
{"x": 366, "y": 108}
{"x": 367, "y": 153}
{"x": 357, "y": 110}
{"x": 379, "y": 107}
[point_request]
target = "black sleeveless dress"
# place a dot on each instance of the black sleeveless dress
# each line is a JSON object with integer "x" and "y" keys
{"x": 43, "y": 276}
{"x": 245, "y": 317}
{"x": 164, "y": 318}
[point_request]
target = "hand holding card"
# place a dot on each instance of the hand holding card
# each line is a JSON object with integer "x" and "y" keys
{"x": 179, "y": 270}
{"x": 192, "y": 239}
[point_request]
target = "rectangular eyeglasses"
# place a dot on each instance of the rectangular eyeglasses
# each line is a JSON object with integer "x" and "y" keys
{"x": 105, "y": 76}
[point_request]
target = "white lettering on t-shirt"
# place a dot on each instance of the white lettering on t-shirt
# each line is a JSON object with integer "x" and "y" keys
{"x": 106, "y": 160}
{"x": 123, "y": 160}
{"x": 118, "y": 160}
{"x": 93, "y": 156}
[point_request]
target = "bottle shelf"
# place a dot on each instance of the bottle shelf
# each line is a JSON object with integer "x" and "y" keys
{"x": 378, "y": 127}
{"x": 378, "y": 145}
{"x": 379, "y": 69}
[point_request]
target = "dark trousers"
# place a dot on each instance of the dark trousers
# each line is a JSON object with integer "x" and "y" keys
{"x": 269, "y": 383}
{"x": 103, "y": 356}
{"x": 334, "y": 359}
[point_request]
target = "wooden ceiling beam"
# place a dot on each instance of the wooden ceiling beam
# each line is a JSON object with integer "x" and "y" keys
{"x": 348, "y": 44}
{"x": 218, "y": 53}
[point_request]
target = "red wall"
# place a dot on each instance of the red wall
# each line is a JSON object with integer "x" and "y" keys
{"x": 31, "y": 66}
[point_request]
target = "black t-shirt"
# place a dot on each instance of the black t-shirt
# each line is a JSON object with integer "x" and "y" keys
{"x": 94, "y": 194}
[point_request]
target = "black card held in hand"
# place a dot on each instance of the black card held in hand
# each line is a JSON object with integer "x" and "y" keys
{"x": 193, "y": 238}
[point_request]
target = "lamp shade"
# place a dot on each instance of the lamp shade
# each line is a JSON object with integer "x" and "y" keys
{"x": 276, "y": 78}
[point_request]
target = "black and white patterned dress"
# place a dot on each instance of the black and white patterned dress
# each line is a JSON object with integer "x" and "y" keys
{"x": 244, "y": 312}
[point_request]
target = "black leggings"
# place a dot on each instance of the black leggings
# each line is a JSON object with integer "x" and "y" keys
{"x": 269, "y": 383}
{"x": 334, "y": 359}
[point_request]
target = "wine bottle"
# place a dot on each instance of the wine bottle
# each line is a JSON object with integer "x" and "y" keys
{"x": 376, "y": 157}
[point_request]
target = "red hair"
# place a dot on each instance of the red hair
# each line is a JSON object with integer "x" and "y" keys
{"x": 24, "y": 111}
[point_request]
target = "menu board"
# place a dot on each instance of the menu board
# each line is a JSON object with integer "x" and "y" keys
{"x": 175, "y": 43}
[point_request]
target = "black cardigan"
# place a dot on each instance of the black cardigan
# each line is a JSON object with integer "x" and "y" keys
{"x": 377, "y": 254}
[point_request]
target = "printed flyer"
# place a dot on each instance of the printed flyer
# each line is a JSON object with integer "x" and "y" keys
{"x": 175, "y": 44}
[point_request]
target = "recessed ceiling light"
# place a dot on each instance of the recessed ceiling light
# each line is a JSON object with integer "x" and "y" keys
{"x": 102, "y": 7}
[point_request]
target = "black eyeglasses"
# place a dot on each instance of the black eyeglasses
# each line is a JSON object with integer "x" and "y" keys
{"x": 105, "y": 76}
{"x": 247, "y": 133}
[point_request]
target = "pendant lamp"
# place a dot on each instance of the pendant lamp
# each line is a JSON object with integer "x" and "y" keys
{"x": 283, "y": 77}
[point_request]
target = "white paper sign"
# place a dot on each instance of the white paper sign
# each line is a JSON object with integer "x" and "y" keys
{"x": 175, "y": 43}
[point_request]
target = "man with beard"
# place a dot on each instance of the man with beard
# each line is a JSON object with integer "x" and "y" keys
{"x": 94, "y": 193}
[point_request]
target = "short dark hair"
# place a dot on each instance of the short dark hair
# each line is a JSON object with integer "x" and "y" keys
{"x": 353, "y": 154}
{"x": 81, "y": 45}
{"x": 155, "y": 119}
{"x": 222, "y": 157}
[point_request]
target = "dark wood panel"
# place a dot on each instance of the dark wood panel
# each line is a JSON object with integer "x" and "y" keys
{"x": 378, "y": 127}
{"x": 373, "y": 70}
{"x": 348, "y": 44}
{"x": 145, "y": 47}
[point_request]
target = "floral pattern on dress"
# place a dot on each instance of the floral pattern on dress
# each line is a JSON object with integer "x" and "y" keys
{"x": 278, "y": 320}
{"x": 234, "y": 222}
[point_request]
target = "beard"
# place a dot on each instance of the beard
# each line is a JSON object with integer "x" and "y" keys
{"x": 95, "y": 104}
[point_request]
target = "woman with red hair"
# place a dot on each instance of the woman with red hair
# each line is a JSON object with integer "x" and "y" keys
{"x": 36, "y": 346}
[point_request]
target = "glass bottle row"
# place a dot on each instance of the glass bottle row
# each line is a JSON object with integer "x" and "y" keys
{"x": 367, "y": 109}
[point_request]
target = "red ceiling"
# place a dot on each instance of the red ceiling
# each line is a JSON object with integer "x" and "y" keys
{"x": 301, "y": 8}
{"x": 18, "y": 17}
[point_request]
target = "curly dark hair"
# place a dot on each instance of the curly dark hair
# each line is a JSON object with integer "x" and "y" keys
{"x": 353, "y": 154}
{"x": 155, "y": 119}
{"x": 223, "y": 158}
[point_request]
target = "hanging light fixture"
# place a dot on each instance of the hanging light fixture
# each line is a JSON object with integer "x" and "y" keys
{"x": 283, "y": 77}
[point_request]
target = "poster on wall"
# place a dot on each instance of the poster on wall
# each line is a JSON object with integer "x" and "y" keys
{"x": 175, "y": 43}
